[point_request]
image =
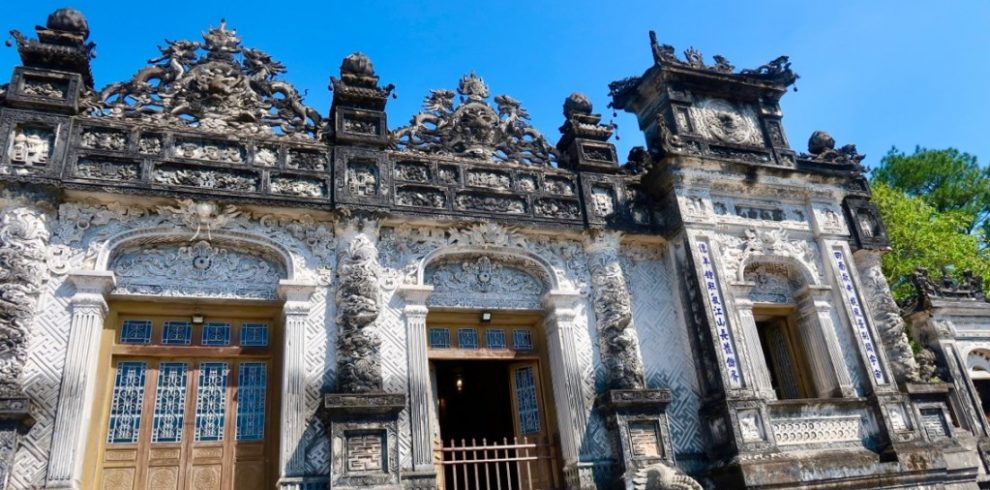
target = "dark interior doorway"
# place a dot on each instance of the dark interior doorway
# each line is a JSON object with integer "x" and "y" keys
{"x": 475, "y": 400}
{"x": 983, "y": 388}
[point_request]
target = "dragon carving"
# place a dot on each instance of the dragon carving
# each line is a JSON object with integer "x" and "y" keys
{"x": 214, "y": 85}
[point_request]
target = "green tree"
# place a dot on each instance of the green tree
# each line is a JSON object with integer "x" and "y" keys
{"x": 922, "y": 236}
{"x": 948, "y": 180}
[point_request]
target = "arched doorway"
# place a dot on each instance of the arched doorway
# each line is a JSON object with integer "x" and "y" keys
{"x": 190, "y": 367}
{"x": 495, "y": 425}
{"x": 978, "y": 362}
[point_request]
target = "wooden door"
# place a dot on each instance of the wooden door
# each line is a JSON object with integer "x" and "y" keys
{"x": 197, "y": 421}
{"x": 530, "y": 425}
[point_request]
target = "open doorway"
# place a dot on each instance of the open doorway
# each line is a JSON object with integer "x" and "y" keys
{"x": 492, "y": 402}
{"x": 474, "y": 400}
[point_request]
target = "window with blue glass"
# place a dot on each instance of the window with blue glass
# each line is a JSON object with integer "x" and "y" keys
{"x": 215, "y": 333}
{"x": 170, "y": 402}
{"x": 135, "y": 332}
{"x": 522, "y": 339}
{"x": 176, "y": 333}
{"x": 529, "y": 412}
{"x": 439, "y": 338}
{"x": 211, "y": 401}
{"x": 127, "y": 403}
{"x": 495, "y": 338}
{"x": 254, "y": 335}
{"x": 251, "y": 382}
{"x": 467, "y": 338}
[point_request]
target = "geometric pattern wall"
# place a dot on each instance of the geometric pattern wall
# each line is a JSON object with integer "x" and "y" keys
{"x": 663, "y": 341}
{"x": 49, "y": 339}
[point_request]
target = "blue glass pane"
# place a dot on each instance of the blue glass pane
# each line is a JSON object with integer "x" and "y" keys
{"x": 439, "y": 338}
{"x": 211, "y": 401}
{"x": 176, "y": 333}
{"x": 467, "y": 338}
{"x": 522, "y": 339}
{"x": 254, "y": 335}
{"x": 127, "y": 404}
{"x": 135, "y": 332}
{"x": 251, "y": 383}
{"x": 170, "y": 402}
{"x": 529, "y": 413}
{"x": 216, "y": 334}
{"x": 495, "y": 338}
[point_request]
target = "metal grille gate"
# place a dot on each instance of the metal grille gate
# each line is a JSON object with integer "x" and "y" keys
{"x": 510, "y": 465}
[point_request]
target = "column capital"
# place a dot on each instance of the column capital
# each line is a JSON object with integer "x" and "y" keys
{"x": 415, "y": 294}
{"x": 297, "y": 295}
{"x": 561, "y": 299}
{"x": 91, "y": 287}
{"x": 818, "y": 294}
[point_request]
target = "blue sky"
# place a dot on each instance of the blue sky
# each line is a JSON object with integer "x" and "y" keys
{"x": 875, "y": 73}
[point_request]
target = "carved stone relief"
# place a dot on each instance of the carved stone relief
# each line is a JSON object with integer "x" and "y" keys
{"x": 96, "y": 168}
{"x": 475, "y": 129}
{"x": 774, "y": 283}
{"x": 719, "y": 120}
{"x": 362, "y": 178}
{"x": 212, "y": 151}
{"x": 483, "y": 282}
{"x": 767, "y": 243}
{"x": 887, "y": 317}
{"x": 104, "y": 139}
{"x": 215, "y": 85}
{"x": 298, "y": 186}
{"x": 359, "y": 303}
{"x": 196, "y": 270}
{"x": 617, "y": 338}
{"x": 24, "y": 239}
{"x": 206, "y": 178}
{"x": 31, "y": 146}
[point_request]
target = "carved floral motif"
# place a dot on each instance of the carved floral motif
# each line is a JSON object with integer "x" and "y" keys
{"x": 197, "y": 270}
{"x": 483, "y": 282}
{"x": 721, "y": 121}
{"x": 200, "y": 216}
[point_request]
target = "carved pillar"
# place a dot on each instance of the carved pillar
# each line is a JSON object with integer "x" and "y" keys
{"x": 886, "y": 316}
{"x": 362, "y": 418}
{"x": 828, "y": 368}
{"x": 23, "y": 246}
{"x": 636, "y": 416}
{"x": 292, "y": 462}
{"x": 75, "y": 406}
{"x": 758, "y": 364}
{"x": 613, "y": 312}
{"x": 568, "y": 394}
{"x": 420, "y": 388}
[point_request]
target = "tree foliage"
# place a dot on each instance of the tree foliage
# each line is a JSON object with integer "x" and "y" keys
{"x": 922, "y": 236}
{"x": 947, "y": 180}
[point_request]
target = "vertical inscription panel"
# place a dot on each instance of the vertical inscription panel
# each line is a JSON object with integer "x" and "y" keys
{"x": 644, "y": 439}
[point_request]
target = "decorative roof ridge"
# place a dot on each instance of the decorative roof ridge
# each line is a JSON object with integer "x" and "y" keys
{"x": 473, "y": 128}
{"x": 777, "y": 71}
{"x": 215, "y": 85}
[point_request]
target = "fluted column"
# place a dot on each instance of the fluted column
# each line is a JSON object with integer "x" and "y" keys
{"x": 747, "y": 324}
{"x": 829, "y": 369}
{"x": 420, "y": 391}
{"x": 572, "y": 412}
{"x": 73, "y": 417}
{"x": 295, "y": 312}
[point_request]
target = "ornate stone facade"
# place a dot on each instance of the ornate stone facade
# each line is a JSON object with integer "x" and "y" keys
{"x": 710, "y": 314}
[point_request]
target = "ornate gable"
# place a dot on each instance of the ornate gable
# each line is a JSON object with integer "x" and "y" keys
{"x": 215, "y": 85}
{"x": 473, "y": 128}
